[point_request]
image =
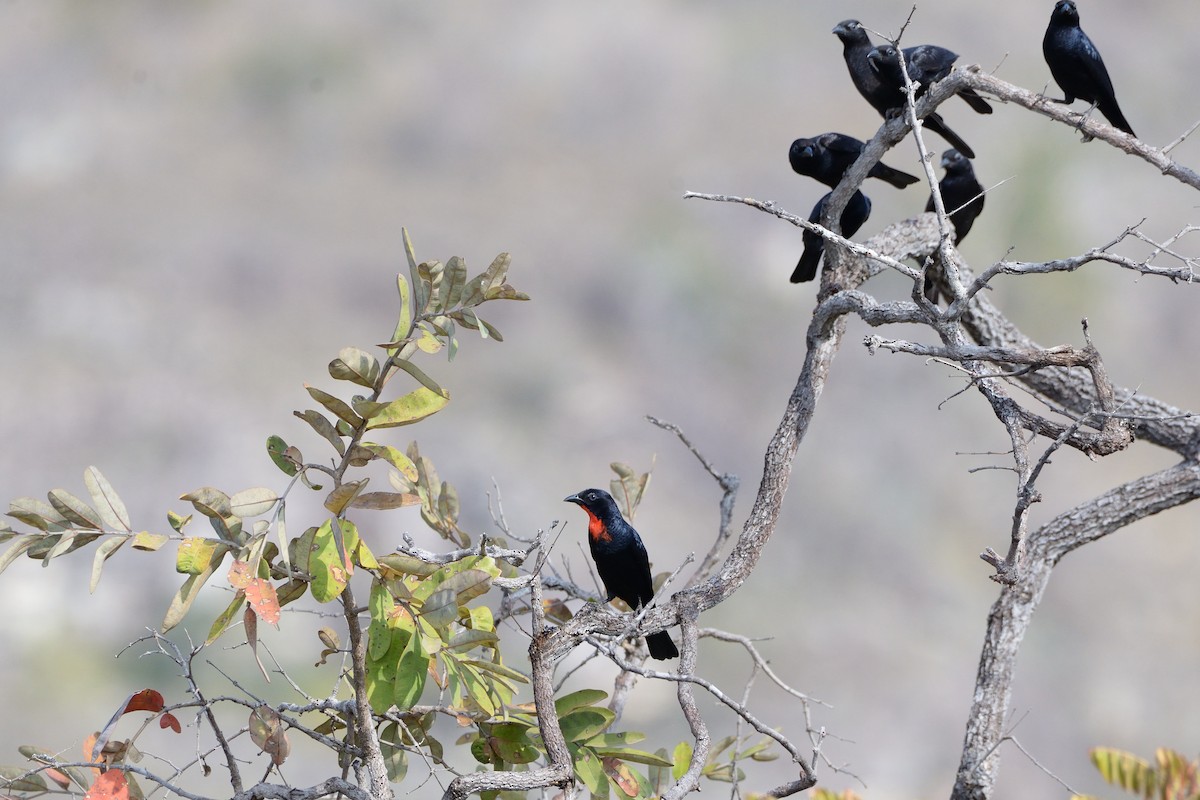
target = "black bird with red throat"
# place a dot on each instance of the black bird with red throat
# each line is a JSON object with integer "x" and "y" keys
{"x": 621, "y": 560}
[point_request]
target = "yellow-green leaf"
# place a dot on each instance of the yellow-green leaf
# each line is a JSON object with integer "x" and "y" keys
{"x": 412, "y": 407}
{"x": 410, "y": 674}
{"x": 356, "y": 366}
{"x": 342, "y": 496}
{"x": 149, "y": 542}
{"x": 198, "y": 555}
{"x": 337, "y": 407}
{"x": 212, "y": 503}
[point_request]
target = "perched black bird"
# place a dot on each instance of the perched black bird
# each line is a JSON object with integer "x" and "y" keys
{"x": 926, "y": 64}
{"x": 1076, "y": 65}
{"x": 962, "y": 197}
{"x": 856, "y": 45}
{"x": 828, "y": 156}
{"x": 621, "y": 560}
{"x": 856, "y": 213}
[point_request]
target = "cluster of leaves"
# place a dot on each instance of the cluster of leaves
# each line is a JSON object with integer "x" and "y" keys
{"x": 429, "y": 622}
{"x": 101, "y": 749}
{"x": 1172, "y": 776}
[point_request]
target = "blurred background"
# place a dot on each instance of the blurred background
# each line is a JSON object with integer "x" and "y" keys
{"x": 202, "y": 202}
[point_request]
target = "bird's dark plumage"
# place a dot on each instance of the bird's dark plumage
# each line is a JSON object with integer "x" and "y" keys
{"x": 1076, "y": 66}
{"x": 621, "y": 560}
{"x": 827, "y": 157}
{"x": 856, "y": 45}
{"x": 856, "y": 213}
{"x": 926, "y": 64}
{"x": 962, "y": 197}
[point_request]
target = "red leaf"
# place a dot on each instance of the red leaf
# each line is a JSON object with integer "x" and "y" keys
{"x": 169, "y": 721}
{"x": 109, "y": 786}
{"x": 145, "y": 700}
{"x": 58, "y": 777}
{"x": 239, "y": 574}
{"x": 261, "y": 594}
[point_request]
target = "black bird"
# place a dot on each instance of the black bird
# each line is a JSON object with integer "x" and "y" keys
{"x": 926, "y": 64}
{"x": 856, "y": 213}
{"x": 621, "y": 560}
{"x": 1076, "y": 65}
{"x": 827, "y": 157}
{"x": 962, "y": 197}
{"x": 856, "y": 44}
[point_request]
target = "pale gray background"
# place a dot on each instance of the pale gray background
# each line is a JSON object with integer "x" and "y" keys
{"x": 201, "y": 203}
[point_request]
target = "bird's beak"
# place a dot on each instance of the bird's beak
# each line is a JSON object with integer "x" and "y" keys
{"x": 838, "y": 30}
{"x": 573, "y": 498}
{"x": 945, "y": 162}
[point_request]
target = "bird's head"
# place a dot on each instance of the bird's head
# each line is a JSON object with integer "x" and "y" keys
{"x": 850, "y": 30}
{"x": 1065, "y": 13}
{"x": 597, "y": 501}
{"x": 954, "y": 161}
{"x": 884, "y": 54}
{"x": 800, "y": 153}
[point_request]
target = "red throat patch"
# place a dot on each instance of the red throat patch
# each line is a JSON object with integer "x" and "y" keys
{"x": 597, "y": 529}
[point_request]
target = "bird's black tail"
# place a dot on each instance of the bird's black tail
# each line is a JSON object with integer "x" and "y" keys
{"x": 1112, "y": 112}
{"x": 936, "y": 124}
{"x": 892, "y": 175}
{"x": 806, "y": 267}
{"x": 661, "y": 646}
{"x": 976, "y": 102}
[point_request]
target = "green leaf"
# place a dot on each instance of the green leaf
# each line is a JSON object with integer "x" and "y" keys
{"x": 426, "y": 381}
{"x": 441, "y": 608}
{"x": 226, "y": 617}
{"x": 584, "y": 723}
{"x": 178, "y": 521}
{"x": 468, "y": 584}
{"x": 108, "y": 503}
{"x": 106, "y": 549}
{"x": 590, "y": 771}
{"x": 580, "y": 699}
{"x": 407, "y": 565}
{"x": 356, "y": 366}
{"x": 454, "y": 278}
{"x": 468, "y": 639}
{"x": 277, "y": 450}
{"x": 499, "y": 670}
{"x": 631, "y": 754}
{"x": 74, "y": 510}
{"x": 16, "y": 779}
{"x": 395, "y": 759}
{"x": 410, "y": 674}
{"x": 335, "y": 406}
